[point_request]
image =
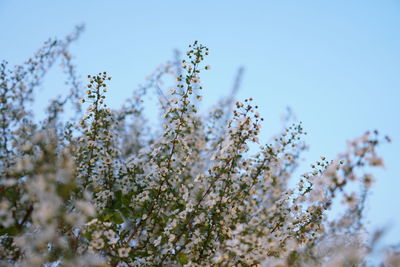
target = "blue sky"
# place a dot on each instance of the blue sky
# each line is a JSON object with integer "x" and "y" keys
{"x": 335, "y": 63}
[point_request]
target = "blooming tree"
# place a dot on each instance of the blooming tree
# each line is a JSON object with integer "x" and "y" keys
{"x": 105, "y": 189}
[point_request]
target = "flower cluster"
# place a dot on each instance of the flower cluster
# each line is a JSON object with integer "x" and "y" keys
{"x": 106, "y": 189}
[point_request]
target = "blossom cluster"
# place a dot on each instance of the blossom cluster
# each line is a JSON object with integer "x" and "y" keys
{"x": 106, "y": 189}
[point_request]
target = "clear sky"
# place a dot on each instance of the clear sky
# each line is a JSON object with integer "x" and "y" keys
{"x": 335, "y": 63}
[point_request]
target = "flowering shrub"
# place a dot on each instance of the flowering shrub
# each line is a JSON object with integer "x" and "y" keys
{"x": 105, "y": 189}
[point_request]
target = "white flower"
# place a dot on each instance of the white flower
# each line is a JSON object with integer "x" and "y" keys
{"x": 27, "y": 146}
{"x": 195, "y": 79}
{"x": 157, "y": 241}
{"x": 375, "y": 161}
{"x": 124, "y": 252}
{"x": 92, "y": 222}
{"x": 97, "y": 243}
{"x": 96, "y": 234}
{"x": 86, "y": 207}
{"x": 107, "y": 224}
{"x": 111, "y": 236}
{"x": 368, "y": 180}
{"x": 350, "y": 200}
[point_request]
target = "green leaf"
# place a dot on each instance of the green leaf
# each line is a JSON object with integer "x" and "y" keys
{"x": 126, "y": 199}
{"x": 11, "y": 231}
{"x": 65, "y": 190}
{"x": 126, "y": 212}
{"x": 117, "y": 218}
{"x": 182, "y": 258}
